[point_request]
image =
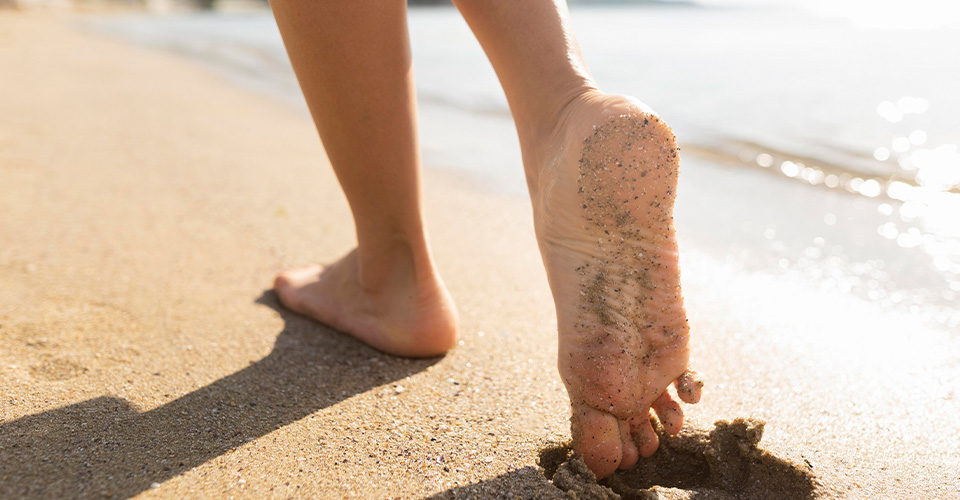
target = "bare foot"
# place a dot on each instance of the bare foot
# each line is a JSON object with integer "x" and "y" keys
{"x": 603, "y": 207}
{"x": 407, "y": 314}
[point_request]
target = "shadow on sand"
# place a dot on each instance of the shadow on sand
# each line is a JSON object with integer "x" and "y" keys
{"x": 105, "y": 447}
{"x": 527, "y": 483}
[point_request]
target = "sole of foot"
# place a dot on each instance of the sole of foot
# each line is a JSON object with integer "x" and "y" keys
{"x": 603, "y": 209}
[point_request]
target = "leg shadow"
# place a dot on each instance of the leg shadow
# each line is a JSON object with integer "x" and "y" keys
{"x": 104, "y": 447}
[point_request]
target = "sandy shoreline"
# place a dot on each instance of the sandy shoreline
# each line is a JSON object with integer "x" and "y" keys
{"x": 145, "y": 208}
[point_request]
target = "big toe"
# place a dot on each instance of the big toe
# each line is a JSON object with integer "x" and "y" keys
{"x": 596, "y": 436}
{"x": 287, "y": 283}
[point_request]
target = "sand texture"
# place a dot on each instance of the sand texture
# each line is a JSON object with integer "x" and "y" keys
{"x": 145, "y": 206}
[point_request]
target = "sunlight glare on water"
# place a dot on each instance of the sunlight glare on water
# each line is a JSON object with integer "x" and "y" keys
{"x": 881, "y": 14}
{"x": 919, "y": 194}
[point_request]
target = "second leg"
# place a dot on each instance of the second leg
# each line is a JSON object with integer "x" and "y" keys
{"x": 602, "y": 173}
{"x": 353, "y": 62}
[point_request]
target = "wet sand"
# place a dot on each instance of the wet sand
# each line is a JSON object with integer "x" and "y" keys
{"x": 146, "y": 206}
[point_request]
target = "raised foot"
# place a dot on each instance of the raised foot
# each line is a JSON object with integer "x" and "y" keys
{"x": 604, "y": 216}
{"x": 411, "y": 315}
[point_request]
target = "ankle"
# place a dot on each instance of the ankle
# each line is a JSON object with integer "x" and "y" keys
{"x": 570, "y": 99}
{"x": 388, "y": 265}
{"x": 540, "y": 143}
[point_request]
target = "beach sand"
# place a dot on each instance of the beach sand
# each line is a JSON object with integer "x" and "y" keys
{"x": 146, "y": 205}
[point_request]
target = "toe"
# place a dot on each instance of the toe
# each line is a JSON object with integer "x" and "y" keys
{"x": 630, "y": 451}
{"x": 282, "y": 281}
{"x": 669, "y": 413}
{"x": 287, "y": 284}
{"x": 689, "y": 386}
{"x": 298, "y": 276}
{"x": 644, "y": 435}
{"x": 596, "y": 436}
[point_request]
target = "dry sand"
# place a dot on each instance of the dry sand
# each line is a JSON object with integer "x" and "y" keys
{"x": 145, "y": 206}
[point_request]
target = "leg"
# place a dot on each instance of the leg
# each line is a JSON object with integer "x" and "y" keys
{"x": 602, "y": 173}
{"x": 353, "y": 63}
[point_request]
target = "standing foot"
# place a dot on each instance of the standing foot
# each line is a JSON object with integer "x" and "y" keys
{"x": 407, "y": 314}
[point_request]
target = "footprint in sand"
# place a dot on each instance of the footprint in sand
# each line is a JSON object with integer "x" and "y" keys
{"x": 53, "y": 345}
{"x": 56, "y": 369}
{"x": 722, "y": 463}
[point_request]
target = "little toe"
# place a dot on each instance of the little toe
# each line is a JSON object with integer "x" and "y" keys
{"x": 669, "y": 413}
{"x": 644, "y": 435}
{"x": 689, "y": 386}
{"x": 630, "y": 451}
{"x": 596, "y": 436}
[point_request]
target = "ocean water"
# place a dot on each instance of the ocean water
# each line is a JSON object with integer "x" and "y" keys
{"x": 821, "y": 144}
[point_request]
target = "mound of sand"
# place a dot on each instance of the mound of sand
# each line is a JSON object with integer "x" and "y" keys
{"x": 723, "y": 463}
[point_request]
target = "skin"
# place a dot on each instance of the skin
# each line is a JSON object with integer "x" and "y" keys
{"x": 622, "y": 334}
